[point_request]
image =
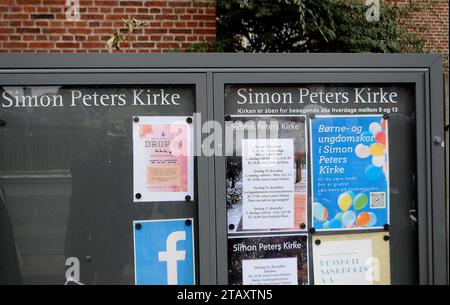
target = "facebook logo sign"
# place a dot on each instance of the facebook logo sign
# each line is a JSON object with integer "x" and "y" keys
{"x": 164, "y": 252}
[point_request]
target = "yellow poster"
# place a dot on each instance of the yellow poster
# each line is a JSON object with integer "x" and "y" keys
{"x": 351, "y": 259}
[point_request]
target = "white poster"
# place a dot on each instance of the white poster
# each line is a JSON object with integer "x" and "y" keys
{"x": 268, "y": 183}
{"x": 270, "y": 271}
{"x": 343, "y": 262}
{"x": 162, "y": 159}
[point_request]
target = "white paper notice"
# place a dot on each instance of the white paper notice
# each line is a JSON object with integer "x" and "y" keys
{"x": 343, "y": 262}
{"x": 270, "y": 271}
{"x": 162, "y": 159}
{"x": 268, "y": 184}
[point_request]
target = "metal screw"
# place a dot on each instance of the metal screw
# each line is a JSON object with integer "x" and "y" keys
{"x": 231, "y": 227}
{"x": 386, "y": 237}
{"x": 88, "y": 259}
{"x": 138, "y": 226}
{"x": 136, "y": 119}
{"x": 138, "y": 196}
{"x": 312, "y": 230}
{"x": 188, "y": 222}
{"x": 187, "y": 198}
{"x": 302, "y": 226}
{"x": 317, "y": 242}
{"x": 437, "y": 140}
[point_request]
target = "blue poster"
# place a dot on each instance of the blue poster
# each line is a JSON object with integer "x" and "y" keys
{"x": 350, "y": 172}
{"x": 164, "y": 252}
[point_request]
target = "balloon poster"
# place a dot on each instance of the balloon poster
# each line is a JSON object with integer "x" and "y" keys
{"x": 350, "y": 172}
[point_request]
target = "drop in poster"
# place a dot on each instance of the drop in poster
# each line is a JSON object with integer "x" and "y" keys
{"x": 266, "y": 182}
{"x": 268, "y": 260}
{"x": 350, "y": 172}
{"x": 162, "y": 159}
{"x": 351, "y": 259}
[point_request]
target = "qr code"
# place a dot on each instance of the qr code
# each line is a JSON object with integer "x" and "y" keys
{"x": 377, "y": 200}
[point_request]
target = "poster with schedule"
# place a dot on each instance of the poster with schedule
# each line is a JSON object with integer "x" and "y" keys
{"x": 266, "y": 174}
{"x": 350, "y": 172}
{"x": 162, "y": 158}
{"x": 268, "y": 260}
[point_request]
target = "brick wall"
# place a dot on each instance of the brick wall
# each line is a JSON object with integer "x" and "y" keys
{"x": 41, "y": 25}
{"x": 431, "y": 23}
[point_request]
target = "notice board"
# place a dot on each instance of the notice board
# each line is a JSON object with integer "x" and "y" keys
{"x": 313, "y": 169}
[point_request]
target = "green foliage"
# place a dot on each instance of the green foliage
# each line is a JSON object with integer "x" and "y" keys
{"x": 310, "y": 26}
{"x": 113, "y": 43}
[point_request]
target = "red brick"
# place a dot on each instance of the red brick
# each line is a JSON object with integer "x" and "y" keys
{"x": 42, "y": 16}
{"x": 180, "y": 31}
{"x": 156, "y": 3}
{"x": 68, "y": 45}
{"x": 168, "y": 45}
{"x": 204, "y": 31}
{"x": 28, "y": 2}
{"x": 80, "y": 31}
{"x": 41, "y": 45}
{"x": 28, "y": 30}
{"x": 155, "y": 38}
{"x": 93, "y": 45}
{"x": 143, "y": 44}
{"x": 15, "y": 45}
{"x": 132, "y": 3}
{"x": 6, "y": 30}
{"x": 53, "y": 30}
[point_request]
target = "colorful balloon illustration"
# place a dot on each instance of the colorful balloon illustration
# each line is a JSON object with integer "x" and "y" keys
{"x": 385, "y": 169}
{"x": 344, "y": 201}
{"x": 338, "y": 216}
{"x": 376, "y": 149}
{"x": 375, "y": 128}
{"x": 360, "y": 201}
{"x": 363, "y": 219}
{"x": 378, "y": 161}
{"x": 332, "y": 224}
{"x": 348, "y": 218}
{"x": 381, "y": 138}
{"x": 383, "y": 123}
{"x": 373, "y": 173}
{"x": 326, "y": 225}
{"x": 319, "y": 211}
{"x": 325, "y": 216}
{"x": 362, "y": 151}
{"x": 366, "y": 219}
{"x": 373, "y": 219}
